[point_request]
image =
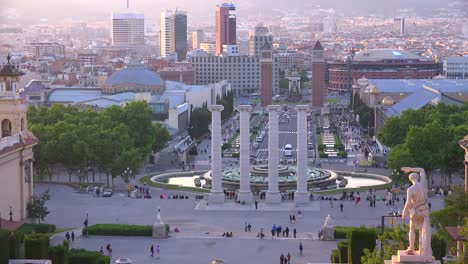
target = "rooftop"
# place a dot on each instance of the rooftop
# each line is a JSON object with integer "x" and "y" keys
{"x": 413, "y": 85}
{"x": 386, "y": 54}
{"x": 128, "y": 16}
{"x": 135, "y": 73}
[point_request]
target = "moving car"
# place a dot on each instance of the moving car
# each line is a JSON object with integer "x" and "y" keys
{"x": 288, "y": 150}
{"x": 107, "y": 193}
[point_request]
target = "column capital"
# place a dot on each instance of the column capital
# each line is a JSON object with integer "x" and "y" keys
{"x": 244, "y": 108}
{"x": 214, "y": 108}
{"x": 304, "y": 108}
{"x": 274, "y": 108}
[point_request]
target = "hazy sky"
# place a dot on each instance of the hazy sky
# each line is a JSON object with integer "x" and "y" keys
{"x": 33, "y": 10}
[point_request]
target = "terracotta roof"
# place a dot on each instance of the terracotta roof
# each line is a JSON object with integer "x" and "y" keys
{"x": 454, "y": 232}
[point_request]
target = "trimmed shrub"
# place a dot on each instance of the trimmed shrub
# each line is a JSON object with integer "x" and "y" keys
{"x": 341, "y": 232}
{"x": 59, "y": 253}
{"x": 322, "y": 155}
{"x": 81, "y": 256}
{"x": 438, "y": 245}
{"x": 15, "y": 246}
{"x": 36, "y": 246}
{"x": 33, "y": 228}
{"x": 343, "y": 251}
{"x": 358, "y": 240}
{"x": 120, "y": 230}
{"x": 4, "y": 246}
{"x": 335, "y": 256}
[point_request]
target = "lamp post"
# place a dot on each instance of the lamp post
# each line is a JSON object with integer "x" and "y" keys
{"x": 11, "y": 214}
{"x": 126, "y": 174}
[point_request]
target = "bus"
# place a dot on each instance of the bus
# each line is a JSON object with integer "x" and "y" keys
{"x": 288, "y": 150}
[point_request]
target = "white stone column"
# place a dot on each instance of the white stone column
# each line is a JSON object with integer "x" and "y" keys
{"x": 273, "y": 195}
{"x": 245, "y": 194}
{"x": 217, "y": 194}
{"x": 302, "y": 194}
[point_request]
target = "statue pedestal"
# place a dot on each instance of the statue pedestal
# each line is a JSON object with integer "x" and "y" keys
{"x": 403, "y": 258}
{"x": 328, "y": 234}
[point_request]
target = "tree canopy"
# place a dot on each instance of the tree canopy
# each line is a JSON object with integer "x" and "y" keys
{"x": 426, "y": 138}
{"x": 82, "y": 141}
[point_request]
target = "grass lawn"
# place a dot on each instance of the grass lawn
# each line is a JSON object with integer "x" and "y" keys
{"x": 333, "y": 101}
{"x": 167, "y": 186}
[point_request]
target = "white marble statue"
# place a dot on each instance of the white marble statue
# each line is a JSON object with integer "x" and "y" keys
{"x": 416, "y": 205}
{"x": 328, "y": 222}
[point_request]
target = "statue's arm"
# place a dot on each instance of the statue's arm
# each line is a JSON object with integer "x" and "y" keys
{"x": 409, "y": 196}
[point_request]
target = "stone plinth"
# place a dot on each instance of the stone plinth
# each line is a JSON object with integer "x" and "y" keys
{"x": 302, "y": 195}
{"x": 273, "y": 195}
{"x": 159, "y": 228}
{"x": 403, "y": 258}
{"x": 245, "y": 194}
{"x": 328, "y": 234}
{"x": 217, "y": 195}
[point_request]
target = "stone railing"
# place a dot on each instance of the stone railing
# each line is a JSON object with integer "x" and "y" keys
{"x": 10, "y": 141}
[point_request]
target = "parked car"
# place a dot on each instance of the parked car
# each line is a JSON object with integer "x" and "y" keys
{"x": 107, "y": 193}
{"x": 123, "y": 261}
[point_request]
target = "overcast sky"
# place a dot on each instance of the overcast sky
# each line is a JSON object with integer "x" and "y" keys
{"x": 33, "y": 10}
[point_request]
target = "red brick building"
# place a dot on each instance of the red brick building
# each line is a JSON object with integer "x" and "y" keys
{"x": 381, "y": 64}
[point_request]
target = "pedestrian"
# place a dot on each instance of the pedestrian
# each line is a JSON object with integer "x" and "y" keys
{"x": 300, "y": 248}
{"x": 101, "y": 251}
{"x": 152, "y": 250}
{"x": 290, "y": 218}
{"x": 67, "y": 236}
{"x": 429, "y": 205}
{"x": 249, "y": 227}
{"x": 294, "y": 219}
{"x": 73, "y": 236}
{"x": 157, "y": 251}
{"x": 287, "y": 231}
{"x": 281, "y": 258}
{"x": 256, "y": 205}
{"x": 341, "y": 207}
{"x": 294, "y": 232}
{"x": 289, "y": 258}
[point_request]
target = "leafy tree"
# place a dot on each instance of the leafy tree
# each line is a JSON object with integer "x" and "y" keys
{"x": 201, "y": 117}
{"x": 36, "y": 208}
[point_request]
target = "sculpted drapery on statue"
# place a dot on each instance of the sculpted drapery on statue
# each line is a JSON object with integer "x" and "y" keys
{"x": 416, "y": 205}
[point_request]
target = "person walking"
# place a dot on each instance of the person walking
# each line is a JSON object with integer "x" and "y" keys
{"x": 289, "y": 258}
{"x": 341, "y": 207}
{"x": 300, "y": 248}
{"x": 282, "y": 259}
{"x": 249, "y": 228}
{"x": 67, "y": 236}
{"x": 429, "y": 205}
{"x": 256, "y": 205}
{"x": 294, "y": 232}
{"x": 158, "y": 250}
{"x": 73, "y": 236}
{"x": 290, "y": 218}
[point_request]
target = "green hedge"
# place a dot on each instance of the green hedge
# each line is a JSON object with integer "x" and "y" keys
{"x": 15, "y": 246}
{"x": 358, "y": 240}
{"x": 343, "y": 251}
{"x": 120, "y": 230}
{"x": 81, "y": 256}
{"x": 33, "y": 228}
{"x": 323, "y": 155}
{"x": 36, "y": 246}
{"x": 59, "y": 253}
{"x": 341, "y": 232}
{"x": 439, "y": 246}
{"x": 4, "y": 246}
{"x": 335, "y": 256}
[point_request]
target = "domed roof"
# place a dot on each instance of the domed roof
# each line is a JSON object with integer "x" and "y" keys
{"x": 9, "y": 70}
{"x": 439, "y": 77}
{"x": 388, "y": 101}
{"x": 363, "y": 81}
{"x": 135, "y": 73}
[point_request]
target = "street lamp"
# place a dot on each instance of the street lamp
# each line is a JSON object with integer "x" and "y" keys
{"x": 11, "y": 214}
{"x": 126, "y": 174}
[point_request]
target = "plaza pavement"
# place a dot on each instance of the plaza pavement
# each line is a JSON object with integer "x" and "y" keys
{"x": 199, "y": 240}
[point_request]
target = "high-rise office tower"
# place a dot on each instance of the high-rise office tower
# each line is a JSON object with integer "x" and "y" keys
{"x": 399, "y": 25}
{"x": 128, "y": 29}
{"x": 225, "y": 26}
{"x": 173, "y": 37}
{"x": 318, "y": 75}
{"x": 258, "y": 38}
{"x": 197, "y": 38}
